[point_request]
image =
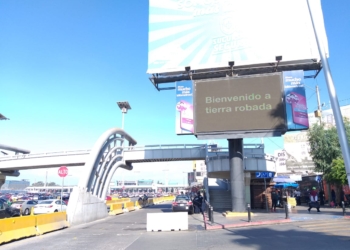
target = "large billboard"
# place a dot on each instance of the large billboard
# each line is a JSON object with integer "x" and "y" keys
{"x": 210, "y": 33}
{"x": 239, "y": 104}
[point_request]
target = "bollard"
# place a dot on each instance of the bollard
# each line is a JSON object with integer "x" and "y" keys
{"x": 343, "y": 206}
{"x": 212, "y": 214}
{"x": 249, "y": 215}
{"x": 208, "y": 211}
{"x": 286, "y": 209}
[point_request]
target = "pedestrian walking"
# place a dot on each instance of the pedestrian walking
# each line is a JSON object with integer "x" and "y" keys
{"x": 274, "y": 198}
{"x": 333, "y": 196}
{"x": 198, "y": 202}
{"x": 321, "y": 197}
{"x": 314, "y": 200}
{"x": 297, "y": 196}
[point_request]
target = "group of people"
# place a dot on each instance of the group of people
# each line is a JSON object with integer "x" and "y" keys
{"x": 314, "y": 198}
{"x": 312, "y": 201}
{"x": 198, "y": 201}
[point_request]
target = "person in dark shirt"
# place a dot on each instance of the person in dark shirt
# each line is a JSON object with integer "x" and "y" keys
{"x": 321, "y": 197}
{"x": 274, "y": 198}
{"x": 197, "y": 202}
{"x": 333, "y": 195}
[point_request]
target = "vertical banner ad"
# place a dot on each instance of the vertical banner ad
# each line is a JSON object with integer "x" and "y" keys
{"x": 295, "y": 100}
{"x": 184, "y": 108}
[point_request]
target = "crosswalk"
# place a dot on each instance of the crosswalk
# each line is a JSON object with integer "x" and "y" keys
{"x": 335, "y": 227}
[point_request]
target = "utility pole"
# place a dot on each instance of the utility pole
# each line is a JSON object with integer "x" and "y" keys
{"x": 319, "y": 108}
{"x": 46, "y": 179}
{"x": 332, "y": 96}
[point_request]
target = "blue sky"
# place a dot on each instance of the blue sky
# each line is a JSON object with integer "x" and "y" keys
{"x": 64, "y": 65}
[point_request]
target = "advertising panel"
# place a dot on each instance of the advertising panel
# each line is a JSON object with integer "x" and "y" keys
{"x": 239, "y": 104}
{"x": 296, "y": 106}
{"x": 210, "y": 33}
{"x": 184, "y": 108}
{"x": 297, "y": 147}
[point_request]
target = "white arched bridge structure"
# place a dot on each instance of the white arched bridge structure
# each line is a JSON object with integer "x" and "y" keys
{"x": 117, "y": 149}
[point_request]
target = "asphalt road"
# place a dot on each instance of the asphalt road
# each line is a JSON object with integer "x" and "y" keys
{"x": 128, "y": 231}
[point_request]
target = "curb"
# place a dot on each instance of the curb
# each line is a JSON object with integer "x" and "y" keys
{"x": 248, "y": 224}
{"x": 244, "y": 224}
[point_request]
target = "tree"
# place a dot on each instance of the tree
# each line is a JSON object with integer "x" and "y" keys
{"x": 337, "y": 173}
{"x": 324, "y": 146}
{"x": 337, "y": 176}
{"x": 38, "y": 184}
{"x": 326, "y": 153}
{"x": 52, "y": 184}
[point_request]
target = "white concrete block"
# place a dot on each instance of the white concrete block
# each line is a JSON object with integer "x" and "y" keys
{"x": 167, "y": 221}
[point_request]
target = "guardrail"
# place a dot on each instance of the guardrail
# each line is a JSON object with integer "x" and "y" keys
{"x": 25, "y": 226}
{"x": 119, "y": 206}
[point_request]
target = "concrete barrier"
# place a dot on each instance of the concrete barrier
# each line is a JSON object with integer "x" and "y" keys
{"x": 167, "y": 221}
{"x": 16, "y": 228}
{"x": 150, "y": 201}
{"x": 130, "y": 206}
{"x": 138, "y": 205}
{"x": 116, "y": 208}
{"x": 51, "y": 222}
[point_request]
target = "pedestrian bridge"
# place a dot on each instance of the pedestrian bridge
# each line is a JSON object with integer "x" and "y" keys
{"x": 148, "y": 153}
{"x": 116, "y": 149}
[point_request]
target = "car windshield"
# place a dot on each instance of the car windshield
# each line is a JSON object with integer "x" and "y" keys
{"x": 182, "y": 198}
{"x": 45, "y": 202}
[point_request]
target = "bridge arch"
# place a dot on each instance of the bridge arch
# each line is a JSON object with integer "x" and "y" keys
{"x": 87, "y": 200}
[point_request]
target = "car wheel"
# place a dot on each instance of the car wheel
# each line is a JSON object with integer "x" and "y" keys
{"x": 55, "y": 211}
{"x": 26, "y": 212}
{"x": 190, "y": 211}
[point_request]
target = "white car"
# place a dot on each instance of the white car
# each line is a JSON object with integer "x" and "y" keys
{"x": 49, "y": 206}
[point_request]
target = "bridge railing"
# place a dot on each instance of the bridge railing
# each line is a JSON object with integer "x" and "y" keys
{"x": 46, "y": 154}
{"x": 222, "y": 153}
{"x": 165, "y": 146}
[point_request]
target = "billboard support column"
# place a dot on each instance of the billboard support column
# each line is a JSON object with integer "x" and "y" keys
{"x": 235, "y": 147}
{"x": 332, "y": 95}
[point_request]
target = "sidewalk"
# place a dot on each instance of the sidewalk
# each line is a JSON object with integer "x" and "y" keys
{"x": 261, "y": 217}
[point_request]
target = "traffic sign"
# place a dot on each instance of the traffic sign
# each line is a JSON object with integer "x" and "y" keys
{"x": 264, "y": 174}
{"x": 63, "y": 171}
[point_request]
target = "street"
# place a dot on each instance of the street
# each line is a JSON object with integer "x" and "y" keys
{"x": 128, "y": 231}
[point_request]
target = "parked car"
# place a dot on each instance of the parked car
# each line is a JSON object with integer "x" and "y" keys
{"x": 17, "y": 204}
{"x": 5, "y": 211}
{"x": 182, "y": 203}
{"x": 49, "y": 206}
{"x": 27, "y": 206}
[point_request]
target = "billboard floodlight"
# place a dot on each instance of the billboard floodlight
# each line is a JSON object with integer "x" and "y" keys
{"x": 278, "y": 58}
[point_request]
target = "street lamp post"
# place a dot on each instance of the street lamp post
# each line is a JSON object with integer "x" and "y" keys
{"x": 2, "y": 117}
{"x": 124, "y": 107}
